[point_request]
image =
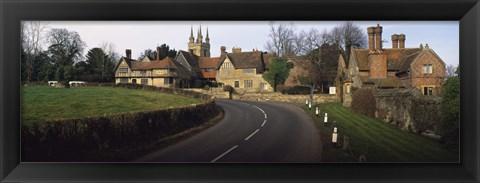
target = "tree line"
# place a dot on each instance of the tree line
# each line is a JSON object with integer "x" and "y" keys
{"x": 63, "y": 60}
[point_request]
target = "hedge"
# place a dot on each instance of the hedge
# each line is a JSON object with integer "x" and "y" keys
{"x": 297, "y": 90}
{"x": 84, "y": 139}
{"x": 363, "y": 102}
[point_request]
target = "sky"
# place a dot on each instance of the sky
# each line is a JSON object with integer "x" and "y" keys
{"x": 441, "y": 36}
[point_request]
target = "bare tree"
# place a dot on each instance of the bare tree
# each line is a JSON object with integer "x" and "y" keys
{"x": 346, "y": 36}
{"x": 282, "y": 40}
{"x": 31, "y": 43}
{"x": 66, "y": 47}
{"x": 450, "y": 71}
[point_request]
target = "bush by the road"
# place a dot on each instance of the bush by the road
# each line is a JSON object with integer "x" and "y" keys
{"x": 363, "y": 102}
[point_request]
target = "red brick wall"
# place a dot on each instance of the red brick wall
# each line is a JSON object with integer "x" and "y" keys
{"x": 378, "y": 65}
{"x": 436, "y": 78}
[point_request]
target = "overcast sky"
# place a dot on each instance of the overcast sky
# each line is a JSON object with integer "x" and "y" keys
{"x": 441, "y": 36}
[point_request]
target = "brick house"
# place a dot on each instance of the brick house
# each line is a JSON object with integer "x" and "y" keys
{"x": 396, "y": 67}
{"x": 151, "y": 71}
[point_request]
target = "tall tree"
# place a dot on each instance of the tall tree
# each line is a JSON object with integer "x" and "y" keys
{"x": 165, "y": 51}
{"x": 346, "y": 36}
{"x": 450, "y": 71}
{"x": 31, "y": 38}
{"x": 147, "y": 52}
{"x": 66, "y": 47}
{"x": 282, "y": 40}
{"x": 98, "y": 65}
{"x": 278, "y": 72}
{"x": 450, "y": 125}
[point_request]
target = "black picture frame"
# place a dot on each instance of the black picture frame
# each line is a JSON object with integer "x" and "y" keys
{"x": 12, "y": 12}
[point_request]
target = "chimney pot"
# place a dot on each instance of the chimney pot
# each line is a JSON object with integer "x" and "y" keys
{"x": 401, "y": 41}
{"x": 223, "y": 49}
{"x": 371, "y": 39}
{"x": 395, "y": 41}
{"x": 378, "y": 38}
{"x": 128, "y": 52}
{"x": 236, "y": 50}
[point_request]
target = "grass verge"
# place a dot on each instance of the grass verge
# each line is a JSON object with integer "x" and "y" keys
{"x": 378, "y": 141}
{"x": 40, "y": 103}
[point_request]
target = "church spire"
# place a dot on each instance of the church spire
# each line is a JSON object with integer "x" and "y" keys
{"x": 200, "y": 37}
{"x": 191, "y": 35}
{"x": 207, "y": 39}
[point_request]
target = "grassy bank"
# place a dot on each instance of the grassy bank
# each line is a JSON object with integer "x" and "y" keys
{"x": 380, "y": 142}
{"x": 41, "y": 103}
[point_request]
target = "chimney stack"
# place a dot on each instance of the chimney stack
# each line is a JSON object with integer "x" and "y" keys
{"x": 378, "y": 38}
{"x": 128, "y": 53}
{"x": 223, "y": 50}
{"x": 395, "y": 41}
{"x": 236, "y": 50}
{"x": 158, "y": 53}
{"x": 401, "y": 41}
{"x": 371, "y": 39}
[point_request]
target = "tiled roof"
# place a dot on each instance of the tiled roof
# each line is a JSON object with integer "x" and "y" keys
{"x": 382, "y": 82}
{"x": 209, "y": 75}
{"x": 208, "y": 62}
{"x": 244, "y": 60}
{"x": 191, "y": 58}
{"x": 166, "y": 63}
{"x": 397, "y": 59}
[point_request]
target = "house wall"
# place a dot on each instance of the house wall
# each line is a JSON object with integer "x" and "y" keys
{"x": 228, "y": 76}
{"x": 419, "y": 79}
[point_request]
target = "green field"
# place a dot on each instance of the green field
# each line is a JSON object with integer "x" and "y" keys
{"x": 39, "y": 103}
{"x": 380, "y": 142}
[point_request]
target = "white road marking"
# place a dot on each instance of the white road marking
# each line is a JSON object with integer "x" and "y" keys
{"x": 265, "y": 116}
{"x": 252, "y": 134}
{"x": 225, "y": 153}
{"x": 264, "y": 121}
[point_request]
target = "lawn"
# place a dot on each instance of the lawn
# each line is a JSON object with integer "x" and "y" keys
{"x": 380, "y": 142}
{"x": 39, "y": 103}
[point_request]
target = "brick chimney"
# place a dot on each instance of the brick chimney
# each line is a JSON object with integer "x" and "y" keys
{"x": 236, "y": 50}
{"x": 223, "y": 50}
{"x": 158, "y": 53}
{"x": 371, "y": 39}
{"x": 378, "y": 38}
{"x": 401, "y": 41}
{"x": 128, "y": 52}
{"x": 395, "y": 41}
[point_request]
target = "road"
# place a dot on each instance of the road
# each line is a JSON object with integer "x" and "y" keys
{"x": 249, "y": 132}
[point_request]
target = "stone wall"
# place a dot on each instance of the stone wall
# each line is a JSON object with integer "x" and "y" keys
{"x": 267, "y": 96}
{"x": 395, "y": 107}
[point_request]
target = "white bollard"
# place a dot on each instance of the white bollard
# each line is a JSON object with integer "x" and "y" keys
{"x": 316, "y": 111}
{"x": 306, "y": 102}
{"x": 334, "y": 129}
{"x": 325, "y": 119}
{"x": 334, "y": 139}
{"x": 310, "y": 105}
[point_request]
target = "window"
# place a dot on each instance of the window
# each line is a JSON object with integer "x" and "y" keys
{"x": 226, "y": 65}
{"x": 144, "y": 81}
{"x": 428, "y": 90}
{"x": 123, "y": 69}
{"x": 123, "y": 80}
{"x": 248, "y": 70}
{"x": 168, "y": 81}
{"x": 427, "y": 69}
{"x": 143, "y": 73}
{"x": 208, "y": 70}
{"x": 263, "y": 86}
{"x": 236, "y": 84}
{"x": 247, "y": 83}
{"x": 348, "y": 88}
{"x": 134, "y": 81}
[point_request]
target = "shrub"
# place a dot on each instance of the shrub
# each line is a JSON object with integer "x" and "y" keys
{"x": 229, "y": 89}
{"x": 363, "y": 102}
{"x": 296, "y": 90}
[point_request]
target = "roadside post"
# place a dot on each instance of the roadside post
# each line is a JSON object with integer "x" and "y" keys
{"x": 325, "y": 119}
{"x": 334, "y": 137}
{"x": 317, "y": 111}
{"x": 310, "y": 105}
{"x": 306, "y": 102}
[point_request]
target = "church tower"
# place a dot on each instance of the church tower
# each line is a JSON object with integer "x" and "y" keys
{"x": 198, "y": 47}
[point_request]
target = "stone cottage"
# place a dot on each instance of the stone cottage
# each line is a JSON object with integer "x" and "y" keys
{"x": 396, "y": 67}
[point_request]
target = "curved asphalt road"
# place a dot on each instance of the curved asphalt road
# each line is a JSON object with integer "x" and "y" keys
{"x": 249, "y": 132}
